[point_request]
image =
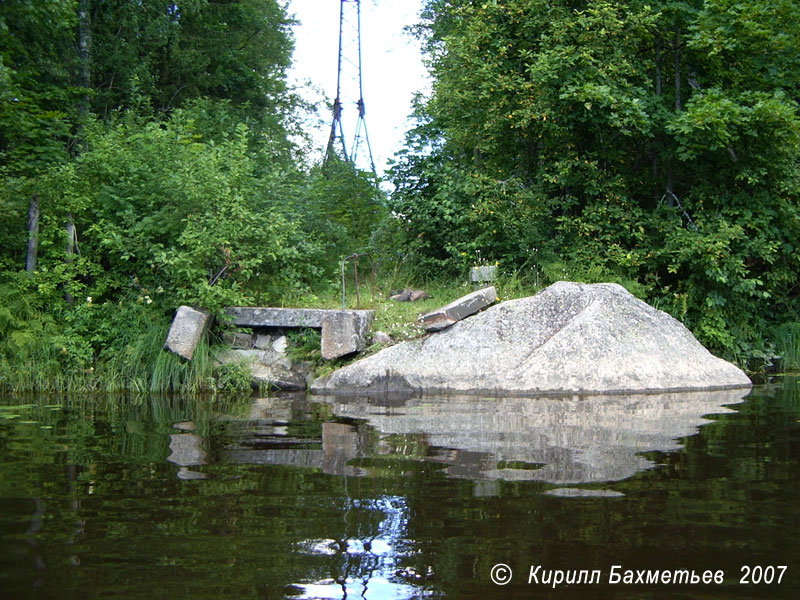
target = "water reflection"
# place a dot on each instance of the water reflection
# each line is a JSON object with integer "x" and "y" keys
{"x": 556, "y": 440}
{"x": 266, "y": 439}
{"x": 368, "y": 564}
{"x": 578, "y": 440}
{"x": 186, "y": 450}
{"x": 561, "y": 440}
{"x": 102, "y": 497}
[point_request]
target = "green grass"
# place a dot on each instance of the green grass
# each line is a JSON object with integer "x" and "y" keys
{"x": 787, "y": 345}
{"x": 140, "y": 366}
{"x": 400, "y": 320}
{"x": 36, "y": 357}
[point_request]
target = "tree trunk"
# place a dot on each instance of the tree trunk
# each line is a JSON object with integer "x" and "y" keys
{"x": 658, "y": 81}
{"x": 676, "y": 52}
{"x": 84, "y": 81}
{"x": 659, "y": 91}
{"x": 33, "y": 234}
{"x": 84, "y": 49}
{"x": 70, "y": 227}
{"x": 676, "y": 48}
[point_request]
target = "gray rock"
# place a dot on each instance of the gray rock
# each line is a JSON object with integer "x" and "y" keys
{"x": 459, "y": 309}
{"x": 186, "y": 331}
{"x": 344, "y": 332}
{"x": 279, "y": 345}
{"x": 408, "y": 295}
{"x": 236, "y": 339}
{"x": 268, "y": 368}
{"x": 267, "y": 357}
{"x": 569, "y": 338}
{"x": 381, "y": 337}
{"x": 258, "y": 316}
{"x": 276, "y": 376}
{"x": 262, "y": 342}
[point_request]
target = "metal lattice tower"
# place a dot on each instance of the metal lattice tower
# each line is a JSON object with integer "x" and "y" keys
{"x": 349, "y": 93}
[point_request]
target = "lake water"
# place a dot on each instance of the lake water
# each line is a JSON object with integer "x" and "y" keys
{"x": 622, "y": 497}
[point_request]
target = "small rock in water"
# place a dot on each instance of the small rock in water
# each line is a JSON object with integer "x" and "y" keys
{"x": 579, "y": 493}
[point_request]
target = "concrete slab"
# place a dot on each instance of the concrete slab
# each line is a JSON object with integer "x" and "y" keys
{"x": 259, "y": 316}
{"x": 459, "y": 309}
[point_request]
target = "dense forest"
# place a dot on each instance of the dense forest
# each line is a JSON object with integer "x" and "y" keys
{"x": 152, "y": 155}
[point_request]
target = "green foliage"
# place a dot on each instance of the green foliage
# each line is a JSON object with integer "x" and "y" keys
{"x": 652, "y": 144}
{"x": 163, "y": 212}
{"x": 787, "y": 344}
{"x": 176, "y": 164}
{"x": 233, "y": 378}
{"x": 343, "y": 207}
{"x": 36, "y": 353}
{"x": 304, "y": 344}
{"x": 36, "y": 41}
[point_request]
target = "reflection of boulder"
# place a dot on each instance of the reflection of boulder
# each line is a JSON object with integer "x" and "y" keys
{"x": 559, "y": 440}
{"x": 568, "y": 338}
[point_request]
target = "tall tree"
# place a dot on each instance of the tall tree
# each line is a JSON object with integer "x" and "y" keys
{"x": 65, "y": 62}
{"x": 653, "y": 142}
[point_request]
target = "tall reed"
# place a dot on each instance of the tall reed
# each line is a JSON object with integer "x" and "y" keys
{"x": 787, "y": 344}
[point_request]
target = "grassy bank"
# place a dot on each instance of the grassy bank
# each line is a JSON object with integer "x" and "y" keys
{"x": 39, "y": 355}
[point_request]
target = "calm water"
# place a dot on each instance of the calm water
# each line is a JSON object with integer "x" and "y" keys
{"x": 327, "y": 498}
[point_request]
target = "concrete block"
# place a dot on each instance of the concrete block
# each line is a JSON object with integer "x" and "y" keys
{"x": 186, "y": 331}
{"x": 344, "y": 332}
{"x": 258, "y": 316}
{"x": 459, "y": 309}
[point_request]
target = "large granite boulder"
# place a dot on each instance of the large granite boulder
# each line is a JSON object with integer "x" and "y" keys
{"x": 569, "y": 338}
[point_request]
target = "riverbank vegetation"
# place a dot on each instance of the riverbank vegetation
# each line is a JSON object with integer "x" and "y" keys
{"x": 151, "y": 155}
